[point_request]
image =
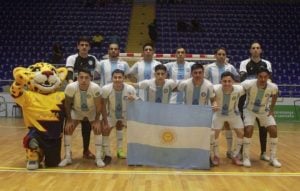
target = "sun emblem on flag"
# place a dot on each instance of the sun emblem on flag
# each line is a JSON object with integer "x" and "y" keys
{"x": 168, "y": 136}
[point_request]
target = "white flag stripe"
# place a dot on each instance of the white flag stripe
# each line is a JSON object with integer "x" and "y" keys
{"x": 168, "y": 137}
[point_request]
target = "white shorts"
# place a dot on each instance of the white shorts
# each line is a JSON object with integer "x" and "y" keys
{"x": 264, "y": 119}
{"x": 79, "y": 115}
{"x": 234, "y": 121}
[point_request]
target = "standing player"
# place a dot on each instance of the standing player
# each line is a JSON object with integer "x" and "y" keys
{"x": 261, "y": 99}
{"x": 116, "y": 95}
{"x": 248, "y": 70}
{"x": 75, "y": 62}
{"x": 83, "y": 102}
{"x": 213, "y": 73}
{"x": 227, "y": 97}
{"x": 105, "y": 68}
{"x": 144, "y": 69}
{"x": 158, "y": 89}
{"x": 179, "y": 70}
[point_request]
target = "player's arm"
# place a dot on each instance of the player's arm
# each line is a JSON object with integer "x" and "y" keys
{"x": 273, "y": 102}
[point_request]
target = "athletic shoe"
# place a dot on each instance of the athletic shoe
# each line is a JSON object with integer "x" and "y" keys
{"x": 121, "y": 154}
{"x": 246, "y": 163}
{"x": 99, "y": 162}
{"x": 32, "y": 165}
{"x": 88, "y": 155}
{"x": 264, "y": 157}
{"x": 65, "y": 162}
{"x": 236, "y": 160}
{"x": 275, "y": 163}
{"x": 107, "y": 159}
{"x": 216, "y": 161}
{"x": 229, "y": 154}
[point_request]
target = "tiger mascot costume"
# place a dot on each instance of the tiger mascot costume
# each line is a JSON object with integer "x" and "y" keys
{"x": 35, "y": 89}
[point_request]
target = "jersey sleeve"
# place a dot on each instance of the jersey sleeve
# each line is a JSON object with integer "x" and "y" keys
{"x": 143, "y": 84}
{"x": 181, "y": 85}
{"x": 134, "y": 69}
{"x": 70, "y": 90}
{"x": 70, "y": 62}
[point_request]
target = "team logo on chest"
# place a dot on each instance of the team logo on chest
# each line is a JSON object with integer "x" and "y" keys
{"x": 166, "y": 91}
{"x": 203, "y": 94}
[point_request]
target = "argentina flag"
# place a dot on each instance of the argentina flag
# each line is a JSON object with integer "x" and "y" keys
{"x": 168, "y": 135}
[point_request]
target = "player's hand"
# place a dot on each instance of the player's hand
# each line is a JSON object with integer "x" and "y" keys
{"x": 96, "y": 126}
{"x": 69, "y": 127}
{"x": 215, "y": 108}
{"x": 271, "y": 113}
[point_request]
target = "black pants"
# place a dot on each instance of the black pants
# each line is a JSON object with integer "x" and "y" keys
{"x": 86, "y": 134}
{"x": 51, "y": 149}
{"x": 262, "y": 130}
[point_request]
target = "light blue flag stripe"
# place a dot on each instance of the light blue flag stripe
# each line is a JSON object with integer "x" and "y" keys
{"x": 170, "y": 114}
{"x": 139, "y": 154}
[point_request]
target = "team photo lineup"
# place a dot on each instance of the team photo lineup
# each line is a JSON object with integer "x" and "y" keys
{"x": 97, "y": 93}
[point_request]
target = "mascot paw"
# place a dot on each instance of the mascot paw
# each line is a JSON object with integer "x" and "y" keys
{"x": 32, "y": 165}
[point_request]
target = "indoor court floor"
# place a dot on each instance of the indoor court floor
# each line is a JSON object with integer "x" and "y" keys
{"x": 82, "y": 174}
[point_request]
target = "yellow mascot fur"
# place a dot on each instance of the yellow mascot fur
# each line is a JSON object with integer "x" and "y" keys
{"x": 36, "y": 90}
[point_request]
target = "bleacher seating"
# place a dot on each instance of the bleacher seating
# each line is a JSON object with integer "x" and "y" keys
{"x": 32, "y": 27}
{"x": 235, "y": 26}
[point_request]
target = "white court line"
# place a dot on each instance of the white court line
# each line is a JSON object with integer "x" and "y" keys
{"x": 151, "y": 172}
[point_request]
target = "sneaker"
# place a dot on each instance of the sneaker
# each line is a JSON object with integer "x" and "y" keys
{"x": 99, "y": 162}
{"x": 65, "y": 162}
{"x": 216, "y": 161}
{"x": 88, "y": 155}
{"x": 264, "y": 157}
{"x": 246, "y": 163}
{"x": 32, "y": 165}
{"x": 229, "y": 154}
{"x": 121, "y": 154}
{"x": 236, "y": 160}
{"x": 107, "y": 159}
{"x": 275, "y": 163}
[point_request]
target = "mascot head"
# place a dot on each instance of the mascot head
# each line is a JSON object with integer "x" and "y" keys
{"x": 40, "y": 77}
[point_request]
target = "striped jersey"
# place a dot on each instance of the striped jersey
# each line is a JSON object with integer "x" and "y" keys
{"x": 257, "y": 98}
{"x": 228, "y": 102}
{"x": 83, "y": 101}
{"x": 214, "y": 71}
{"x": 178, "y": 72}
{"x": 196, "y": 95}
{"x": 106, "y": 67}
{"x": 117, "y": 100}
{"x": 158, "y": 94}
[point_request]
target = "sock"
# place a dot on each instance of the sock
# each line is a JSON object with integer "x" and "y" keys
{"x": 273, "y": 148}
{"x": 67, "y": 142}
{"x": 228, "y": 134}
{"x": 98, "y": 146}
{"x": 86, "y": 134}
{"x": 212, "y": 143}
{"x": 216, "y": 148}
{"x": 263, "y": 133}
{"x": 246, "y": 148}
{"x": 119, "y": 139}
{"x": 106, "y": 145}
{"x": 239, "y": 144}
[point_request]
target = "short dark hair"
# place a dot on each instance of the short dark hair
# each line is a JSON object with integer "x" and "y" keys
{"x": 118, "y": 71}
{"x": 148, "y": 44}
{"x": 263, "y": 69}
{"x": 160, "y": 67}
{"x": 227, "y": 73}
{"x": 83, "y": 39}
{"x": 85, "y": 70}
{"x": 197, "y": 66}
{"x": 255, "y": 42}
{"x": 220, "y": 48}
